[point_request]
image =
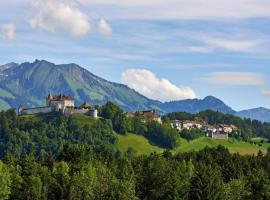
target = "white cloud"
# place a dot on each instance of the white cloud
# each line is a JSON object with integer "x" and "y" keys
{"x": 56, "y": 15}
{"x": 104, "y": 27}
{"x": 146, "y": 82}
{"x": 8, "y": 31}
{"x": 234, "y": 45}
{"x": 181, "y": 9}
{"x": 235, "y": 78}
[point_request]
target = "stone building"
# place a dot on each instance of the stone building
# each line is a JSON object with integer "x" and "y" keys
{"x": 62, "y": 104}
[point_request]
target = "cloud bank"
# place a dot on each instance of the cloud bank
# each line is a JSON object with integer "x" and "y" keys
{"x": 235, "y": 78}
{"x": 146, "y": 83}
{"x": 8, "y": 31}
{"x": 55, "y": 15}
{"x": 181, "y": 9}
{"x": 233, "y": 45}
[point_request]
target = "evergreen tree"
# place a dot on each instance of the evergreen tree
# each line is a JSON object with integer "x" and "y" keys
{"x": 206, "y": 183}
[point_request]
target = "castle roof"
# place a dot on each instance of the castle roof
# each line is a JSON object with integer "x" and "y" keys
{"x": 59, "y": 97}
{"x": 86, "y": 105}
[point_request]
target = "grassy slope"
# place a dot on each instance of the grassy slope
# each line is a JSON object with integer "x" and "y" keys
{"x": 233, "y": 145}
{"x": 137, "y": 142}
{"x": 4, "y": 105}
{"x": 142, "y": 145}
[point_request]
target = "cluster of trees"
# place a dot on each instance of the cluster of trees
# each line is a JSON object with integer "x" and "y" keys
{"x": 191, "y": 134}
{"x": 247, "y": 127}
{"x": 80, "y": 173}
{"x": 39, "y": 135}
{"x": 160, "y": 134}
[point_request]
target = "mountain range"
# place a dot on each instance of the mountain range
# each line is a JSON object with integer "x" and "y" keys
{"x": 29, "y": 83}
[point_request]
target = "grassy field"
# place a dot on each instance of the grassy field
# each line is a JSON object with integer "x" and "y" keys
{"x": 142, "y": 145}
{"x": 234, "y": 146}
{"x": 137, "y": 142}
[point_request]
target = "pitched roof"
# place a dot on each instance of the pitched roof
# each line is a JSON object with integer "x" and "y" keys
{"x": 86, "y": 105}
{"x": 59, "y": 97}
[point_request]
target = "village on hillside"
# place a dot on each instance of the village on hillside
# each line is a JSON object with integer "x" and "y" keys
{"x": 65, "y": 105}
{"x": 219, "y": 131}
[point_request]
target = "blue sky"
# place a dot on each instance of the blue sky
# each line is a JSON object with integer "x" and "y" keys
{"x": 167, "y": 51}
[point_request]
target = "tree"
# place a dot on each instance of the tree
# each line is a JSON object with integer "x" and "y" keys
{"x": 236, "y": 189}
{"x": 110, "y": 110}
{"x": 5, "y": 181}
{"x": 259, "y": 184}
{"x": 60, "y": 182}
{"x": 184, "y": 172}
{"x": 206, "y": 183}
{"x": 83, "y": 183}
{"x": 121, "y": 123}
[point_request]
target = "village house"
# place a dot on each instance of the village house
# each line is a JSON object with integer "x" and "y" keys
{"x": 151, "y": 114}
{"x": 220, "y": 131}
{"x": 62, "y": 104}
{"x": 186, "y": 124}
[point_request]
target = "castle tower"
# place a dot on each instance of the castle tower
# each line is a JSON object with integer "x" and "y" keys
{"x": 20, "y": 109}
{"x": 48, "y": 99}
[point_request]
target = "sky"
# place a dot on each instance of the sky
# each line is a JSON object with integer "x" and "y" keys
{"x": 166, "y": 50}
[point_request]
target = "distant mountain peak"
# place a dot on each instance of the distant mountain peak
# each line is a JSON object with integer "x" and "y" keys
{"x": 260, "y": 113}
{"x": 7, "y": 66}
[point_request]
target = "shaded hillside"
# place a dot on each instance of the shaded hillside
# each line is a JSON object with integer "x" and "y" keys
{"x": 262, "y": 114}
{"x": 197, "y": 105}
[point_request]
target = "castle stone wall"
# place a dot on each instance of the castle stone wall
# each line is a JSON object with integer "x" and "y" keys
{"x": 38, "y": 110}
{"x": 71, "y": 111}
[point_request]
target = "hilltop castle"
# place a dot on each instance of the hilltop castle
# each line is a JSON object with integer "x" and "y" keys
{"x": 61, "y": 104}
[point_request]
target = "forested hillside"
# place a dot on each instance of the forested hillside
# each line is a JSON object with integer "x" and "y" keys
{"x": 58, "y": 157}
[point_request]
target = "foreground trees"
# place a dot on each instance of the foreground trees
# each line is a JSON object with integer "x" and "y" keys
{"x": 191, "y": 176}
{"x": 56, "y": 158}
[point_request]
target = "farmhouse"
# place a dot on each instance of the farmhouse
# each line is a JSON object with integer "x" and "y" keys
{"x": 186, "y": 124}
{"x": 220, "y": 131}
{"x": 146, "y": 113}
{"x": 62, "y": 104}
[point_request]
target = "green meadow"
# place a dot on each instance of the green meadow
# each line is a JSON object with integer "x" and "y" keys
{"x": 142, "y": 146}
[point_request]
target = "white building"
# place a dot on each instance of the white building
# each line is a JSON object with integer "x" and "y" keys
{"x": 59, "y": 102}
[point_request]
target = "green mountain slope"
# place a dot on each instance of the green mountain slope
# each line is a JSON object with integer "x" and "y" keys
{"x": 29, "y": 83}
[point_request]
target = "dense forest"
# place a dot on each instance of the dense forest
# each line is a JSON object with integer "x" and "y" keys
{"x": 44, "y": 157}
{"x": 248, "y": 128}
{"x": 79, "y": 173}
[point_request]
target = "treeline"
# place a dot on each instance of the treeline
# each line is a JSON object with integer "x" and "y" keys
{"x": 162, "y": 135}
{"x": 40, "y": 135}
{"x": 247, "y": 127}
{"x": 81, "y": 174}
